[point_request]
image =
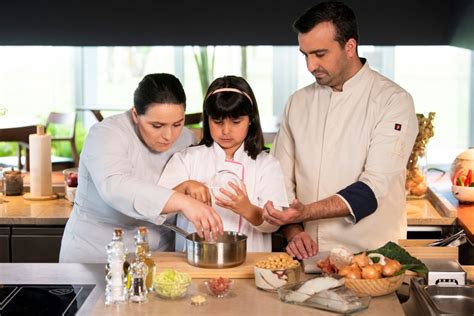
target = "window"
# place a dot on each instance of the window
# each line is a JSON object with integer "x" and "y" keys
{"x": 36, "y": 80}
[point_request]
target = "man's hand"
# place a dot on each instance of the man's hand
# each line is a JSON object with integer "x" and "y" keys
{"x": 302, "y": 246}
{"x": 294, "y": 214}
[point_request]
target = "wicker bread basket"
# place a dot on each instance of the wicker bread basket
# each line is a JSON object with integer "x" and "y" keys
{"x": 374, "y": 287}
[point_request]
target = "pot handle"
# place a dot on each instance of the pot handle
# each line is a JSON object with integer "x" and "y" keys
{"x": 176, "y": 229}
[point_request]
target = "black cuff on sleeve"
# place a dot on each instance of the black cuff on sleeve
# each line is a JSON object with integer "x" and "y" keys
{"x": 361, "y": 198}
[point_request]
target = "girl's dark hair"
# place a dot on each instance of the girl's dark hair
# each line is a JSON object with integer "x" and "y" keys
{"x": 158, "y": 88}
{"x": 228, "y": 104}
{"x": 338, "y": 13}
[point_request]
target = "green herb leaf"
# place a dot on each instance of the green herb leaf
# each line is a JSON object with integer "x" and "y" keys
{"x": 393, "y": 251}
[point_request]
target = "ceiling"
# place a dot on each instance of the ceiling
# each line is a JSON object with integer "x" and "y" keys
{"x": 211, "y": 22}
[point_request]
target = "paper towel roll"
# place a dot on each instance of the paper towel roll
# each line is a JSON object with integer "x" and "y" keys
{"x": 40, "y": 164}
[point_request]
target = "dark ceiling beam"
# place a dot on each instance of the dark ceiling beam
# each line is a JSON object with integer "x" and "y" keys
{"x": 211, "y": 22}
{"x": 462, "y": 24}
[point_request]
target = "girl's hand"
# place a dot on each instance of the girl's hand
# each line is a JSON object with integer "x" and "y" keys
{"x": 240, "y": 204}
{"x": 196, "y": 190}
{"x": 238, "y": 201}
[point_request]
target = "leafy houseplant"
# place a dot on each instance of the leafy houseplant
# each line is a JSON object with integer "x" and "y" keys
{"x": 205, "y": 57}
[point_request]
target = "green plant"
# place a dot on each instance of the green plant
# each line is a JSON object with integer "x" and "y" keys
{"x": 63, "y": 149}
{"x": 8, "y": 149}
{"x": 205, "y": 57}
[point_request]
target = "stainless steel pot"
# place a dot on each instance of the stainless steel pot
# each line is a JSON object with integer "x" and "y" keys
{"x": 229, "y": 250}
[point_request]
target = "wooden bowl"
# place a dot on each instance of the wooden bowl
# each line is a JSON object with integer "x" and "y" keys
{"x": 375, "y": 287}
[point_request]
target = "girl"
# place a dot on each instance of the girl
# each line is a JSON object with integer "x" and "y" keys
{"x": 232, "y": 141}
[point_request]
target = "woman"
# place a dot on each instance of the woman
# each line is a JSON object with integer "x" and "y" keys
{"x": 121, "y": 163}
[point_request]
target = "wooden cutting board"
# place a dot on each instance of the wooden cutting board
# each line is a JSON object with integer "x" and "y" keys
{"x": 178, "y": 262}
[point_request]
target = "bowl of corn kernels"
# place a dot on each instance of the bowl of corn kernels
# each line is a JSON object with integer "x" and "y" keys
{"x": 276, "y": 271}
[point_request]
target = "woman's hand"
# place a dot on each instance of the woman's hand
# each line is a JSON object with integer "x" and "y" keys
{"x": 204, "y": 218}
{"x": 302, "y": 246}
{"x": 196, "y": 190}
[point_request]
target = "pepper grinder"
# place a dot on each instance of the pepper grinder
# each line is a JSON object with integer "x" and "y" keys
{"x": 138, "y": 291}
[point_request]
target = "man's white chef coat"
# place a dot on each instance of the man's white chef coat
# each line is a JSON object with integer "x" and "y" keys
{"x": 262, "y": 177}
{"x": 118, "y": 187}
{"x": 329, "y": 140}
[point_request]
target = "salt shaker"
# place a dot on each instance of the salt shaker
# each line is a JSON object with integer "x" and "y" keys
{"x": 116, "y": 291}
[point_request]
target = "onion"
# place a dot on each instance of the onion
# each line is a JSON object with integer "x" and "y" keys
{"x": 371, "y": 272}
{"x": 354, "y": 273}
{"x": 378, "y": 267}
{"x": 361, "y": 260}
{"x": 345, "y": 271}
{"x": 391, "y": 267}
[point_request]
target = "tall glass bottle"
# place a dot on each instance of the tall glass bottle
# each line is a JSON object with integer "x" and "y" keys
{"x": 115, "y": 291}
{"x": 143, "y": 253}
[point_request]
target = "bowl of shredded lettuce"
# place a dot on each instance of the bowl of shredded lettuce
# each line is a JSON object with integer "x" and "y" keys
{"x": 172, "y": 284}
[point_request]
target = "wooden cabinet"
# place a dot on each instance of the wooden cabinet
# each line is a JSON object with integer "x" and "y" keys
{"x": 4, "y": 244}
{"x": 36, "y": 244}
{"x": 30, "y": 243}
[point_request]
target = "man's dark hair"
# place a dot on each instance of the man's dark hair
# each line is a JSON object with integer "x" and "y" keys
{"x": 338, "y": 13}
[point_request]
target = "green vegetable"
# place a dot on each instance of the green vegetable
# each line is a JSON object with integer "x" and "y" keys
{"x": 408, "y": 262}
{"x": 171, "y": 283}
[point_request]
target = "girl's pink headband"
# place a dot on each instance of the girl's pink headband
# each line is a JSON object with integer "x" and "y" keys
{"x": 230, "y": 90}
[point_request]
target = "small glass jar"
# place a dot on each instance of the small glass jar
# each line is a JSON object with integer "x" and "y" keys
{"x": 13, "y": 182}
{"x": 2, "y": 184}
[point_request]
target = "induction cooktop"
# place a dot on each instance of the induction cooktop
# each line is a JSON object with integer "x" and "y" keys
{"x": 43, "y": 299}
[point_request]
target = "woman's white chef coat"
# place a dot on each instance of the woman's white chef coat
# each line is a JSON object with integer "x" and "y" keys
{"x": 262, "y": 177}
{"x": 118, "y": 187}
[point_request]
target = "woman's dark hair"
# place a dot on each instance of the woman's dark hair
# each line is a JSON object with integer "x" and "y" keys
{"x": 158, "y": 88}
{"x": 229, "y": 104}
{"x": 338, "y": 13}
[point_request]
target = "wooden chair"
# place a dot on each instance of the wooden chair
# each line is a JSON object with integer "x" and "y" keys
{"x": 193, "y": 119}
{"x": 68, "y": 122}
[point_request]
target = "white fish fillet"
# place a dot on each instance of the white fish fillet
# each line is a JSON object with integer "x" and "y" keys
{"x": 312, "y": 287}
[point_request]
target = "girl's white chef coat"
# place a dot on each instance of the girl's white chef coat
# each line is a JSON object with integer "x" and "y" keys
{"x": 118, "y": 187}
{"x": 262, "y": 177}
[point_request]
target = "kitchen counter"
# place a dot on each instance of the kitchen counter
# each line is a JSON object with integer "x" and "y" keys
{"x": 465, "y": 211}
{"x": 245, "y": 300}
{"x": 17, "y": 211}
{"x": 14, "y": 210}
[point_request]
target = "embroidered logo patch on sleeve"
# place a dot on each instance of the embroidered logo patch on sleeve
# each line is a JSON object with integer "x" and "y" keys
{"x": 398, "y": 127}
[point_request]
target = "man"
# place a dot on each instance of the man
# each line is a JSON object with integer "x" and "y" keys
{"x": 343, "y": 144}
